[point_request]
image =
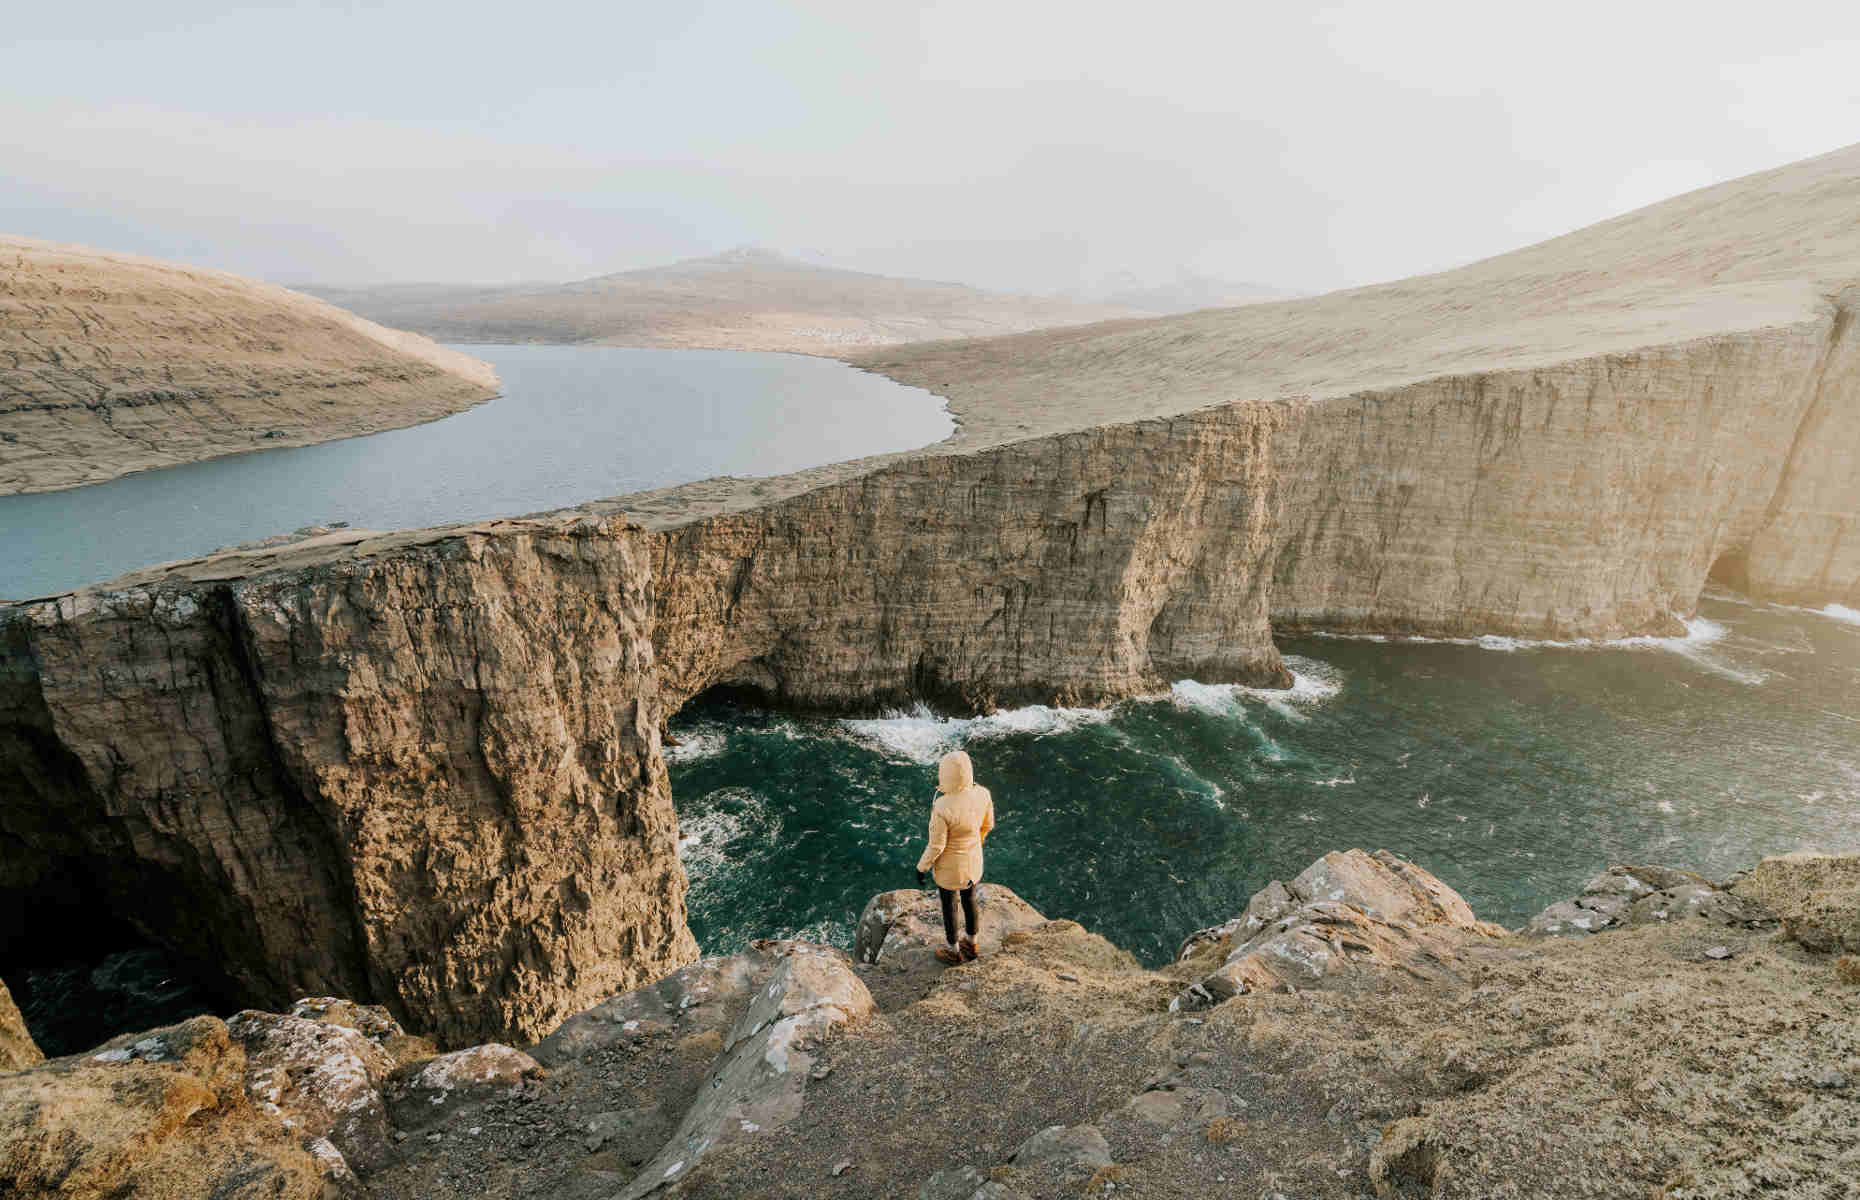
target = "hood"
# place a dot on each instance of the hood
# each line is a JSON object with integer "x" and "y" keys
{"x": 954, "y": 773}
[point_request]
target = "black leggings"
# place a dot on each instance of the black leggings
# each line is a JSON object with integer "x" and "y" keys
{"x": 949, "y": 912}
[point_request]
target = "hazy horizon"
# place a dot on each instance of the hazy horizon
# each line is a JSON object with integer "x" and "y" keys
{"x": 1040, "y": 148}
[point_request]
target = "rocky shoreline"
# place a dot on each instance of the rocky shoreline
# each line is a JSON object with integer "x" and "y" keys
{"x": 1357, "y": 1030}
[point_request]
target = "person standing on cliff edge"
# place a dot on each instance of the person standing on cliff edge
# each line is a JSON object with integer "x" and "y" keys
{"x": 960, "y": 819}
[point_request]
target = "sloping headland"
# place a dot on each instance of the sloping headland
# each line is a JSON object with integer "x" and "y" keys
{"x": 440, "y": 750}
{"x": 112, "y": 363}
{"x": 746, "y": 299}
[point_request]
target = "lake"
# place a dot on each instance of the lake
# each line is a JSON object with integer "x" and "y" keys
{"x": 573, "y": 423}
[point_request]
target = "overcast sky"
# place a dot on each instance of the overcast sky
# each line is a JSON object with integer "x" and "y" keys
{"x": 1007, "y": 143}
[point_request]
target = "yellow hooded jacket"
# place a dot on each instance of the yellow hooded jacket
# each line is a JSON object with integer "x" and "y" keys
{"x": 959, "y": 821}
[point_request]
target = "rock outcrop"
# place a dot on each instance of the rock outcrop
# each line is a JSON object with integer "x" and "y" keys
{"x": 1347, "y": 913}
{"x": 323, "y": 1081}
{"x": 1622, "y": 896}
{"x": 1816, "y": 895}
{"x": 1676, "y": 1057}
{"x": 150, "y": 1116}
{"x": 426, "y": 776}
{"x": 17, "y": 1049}
{"x": 905, "y": 927}
{"x": 112, "y": 363}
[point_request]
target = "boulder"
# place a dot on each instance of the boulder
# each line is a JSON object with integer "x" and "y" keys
{"x": 1346, "y": 911}
{"x": 17, "y": 1049}
{"x": 757, "y": 1084}
{"x": 1816, "y": 895}
{"x": 1622, "y": 896}
{"x": 953, "y": 1183}
{"x": 429, "y": 1091}
{"x": 706, "y": 996}
{"x": 372, "y": 1021}
{"x": 905, "y": 927}
{"x": 324, "y": 1081}
{"x": 1271, "y": 903}
{"x": 148, "y": 1116}
{"x": 1078, "y": 1149}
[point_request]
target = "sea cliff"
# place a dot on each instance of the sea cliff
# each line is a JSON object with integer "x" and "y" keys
{"x": 428, "y": 775}
{"x": 424, "y": 769}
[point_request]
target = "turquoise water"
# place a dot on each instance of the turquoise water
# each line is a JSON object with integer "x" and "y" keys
{"x": 574, "y": 423}
{"x": 1513, "y": 771}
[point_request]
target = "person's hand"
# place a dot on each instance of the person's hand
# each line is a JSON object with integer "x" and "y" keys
{"x": 920, "y": 879}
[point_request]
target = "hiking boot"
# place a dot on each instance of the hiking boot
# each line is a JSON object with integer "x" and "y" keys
{"x": 950, "y": 955}
{"x": 969, "y": 952}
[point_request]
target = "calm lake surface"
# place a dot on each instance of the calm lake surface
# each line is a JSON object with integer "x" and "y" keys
{"x": 574, "y": 423}
{"x": 1514, "y": 772}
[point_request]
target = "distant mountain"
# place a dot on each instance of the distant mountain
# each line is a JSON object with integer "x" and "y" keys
{"x": 744, "y": 299}
{"x": 1188, "y": 292}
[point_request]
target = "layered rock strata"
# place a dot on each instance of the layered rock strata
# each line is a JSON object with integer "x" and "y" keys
{"x": 1082, "y": 568}
{"x": 427, "y": 776}
{"x": 1587, "y": 499}
{"x": 112, "y": 363}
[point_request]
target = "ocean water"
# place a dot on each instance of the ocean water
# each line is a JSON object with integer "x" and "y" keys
{"x": 1512, "y": 770}
{"x": 573, "y": 423}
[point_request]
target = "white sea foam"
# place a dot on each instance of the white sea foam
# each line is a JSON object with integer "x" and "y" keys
{"x": 1313, "y": 682}
{"x": 694, "y": 746}
{"x": 923, "y": 737}
{"x": 720, "y": 819}
{"x": 1841, "y": 613}
{"x": 1700, "y": 633}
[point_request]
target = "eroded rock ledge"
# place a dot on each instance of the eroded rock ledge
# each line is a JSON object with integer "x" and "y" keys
{"x": 1681, "y": 1055}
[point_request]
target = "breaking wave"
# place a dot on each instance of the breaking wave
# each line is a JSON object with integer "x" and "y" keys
{"x": 923, "y": 736}
{"x": 694, "y": 746}
{"x": 1841, "y": 613}
{"x": 720, "y": 820}
{"x": 1313, "y": 683}
{"x": 1700, "y": 633}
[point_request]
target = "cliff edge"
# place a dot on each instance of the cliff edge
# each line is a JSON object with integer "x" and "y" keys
{"x": 1386, "y": 1042}
{"x": 112, "y": 363}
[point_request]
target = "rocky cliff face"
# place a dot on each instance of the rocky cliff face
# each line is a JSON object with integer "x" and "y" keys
{"x": 427, "y": 775}
{"x": 1081, "y": 568}
{"x": 112, "y": 363}
{"x": 1588, "y": 499}
{"x": 1806, "y": 550}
